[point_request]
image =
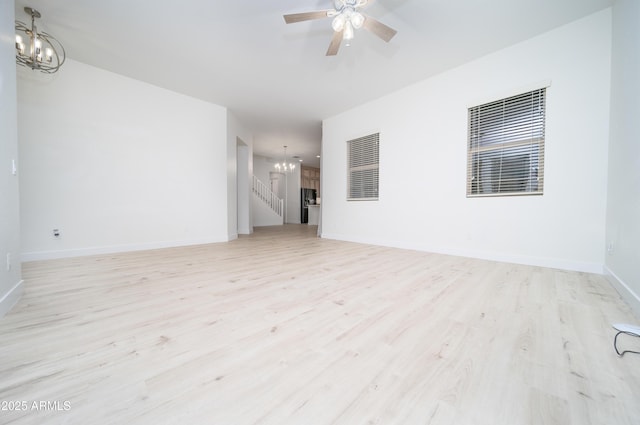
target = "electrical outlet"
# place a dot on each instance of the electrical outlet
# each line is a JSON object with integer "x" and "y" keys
{"x": 14, "y": 168}
{"x": 8, "y": 261}
{"x": 56, "y": 233}
{"x": 610, "y": 248}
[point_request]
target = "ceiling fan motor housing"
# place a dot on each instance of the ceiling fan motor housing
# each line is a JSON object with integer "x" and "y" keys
{"x": 341, "y": 4}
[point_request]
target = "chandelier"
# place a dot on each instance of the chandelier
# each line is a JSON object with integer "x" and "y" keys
{"x": 284, "y": 167}
{"x": 37, "y": 50}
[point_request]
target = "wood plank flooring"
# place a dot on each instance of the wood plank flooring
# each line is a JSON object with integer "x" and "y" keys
{"x": 281, "y": 327}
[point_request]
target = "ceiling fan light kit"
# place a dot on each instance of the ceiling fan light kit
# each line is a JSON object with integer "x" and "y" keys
{"x": 346, "y": 19}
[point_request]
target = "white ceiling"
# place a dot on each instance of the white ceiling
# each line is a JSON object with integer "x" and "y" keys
{"x": 276, "y": 77}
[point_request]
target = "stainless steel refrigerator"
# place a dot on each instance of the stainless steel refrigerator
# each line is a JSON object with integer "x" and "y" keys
{"x": 307, "y": 196}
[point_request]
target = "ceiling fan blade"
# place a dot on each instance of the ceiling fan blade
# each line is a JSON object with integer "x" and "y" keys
{"x": 378, "y": 28}
{"x": 306, "y": 16}
{"x": 335, "y": 43}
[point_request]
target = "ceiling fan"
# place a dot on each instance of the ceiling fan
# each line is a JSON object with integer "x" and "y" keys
{"x": 346, "y": 19}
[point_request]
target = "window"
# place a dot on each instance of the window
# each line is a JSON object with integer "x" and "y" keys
{"x": 506, "y": 146}
{"x": 362, "y": 158}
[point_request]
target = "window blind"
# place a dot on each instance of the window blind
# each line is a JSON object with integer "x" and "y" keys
{"x": 362, "y": 158}
{"x": 506, "y": 146}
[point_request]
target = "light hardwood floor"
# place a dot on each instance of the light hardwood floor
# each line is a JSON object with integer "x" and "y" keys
{"x": 284, "y": 328}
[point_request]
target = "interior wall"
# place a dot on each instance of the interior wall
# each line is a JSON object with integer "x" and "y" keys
{"x": 10, "y": 274}
{"x": 262, "y": 166}
{"x": 423, "y": 130}
{"x": 237, "y": 131}
{"x": 263, "y": 215}
{"x": 623, "y": 207}
{"x": 117, "y": 164}
{"x": 245, "y": 226}
{"x": 292, "y": 200}
{"x": 264, "y": 169}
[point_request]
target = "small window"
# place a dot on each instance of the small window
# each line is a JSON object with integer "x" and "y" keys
{"x": 506, "y": 146}
{"x": 363, "y": 156}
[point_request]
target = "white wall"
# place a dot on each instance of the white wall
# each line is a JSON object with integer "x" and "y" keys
{"x": 292, "y": 199}
{"x": 117, "y": 164}
{"x": 623, "y": 209}
{"x": 263, "y": 215}
{"x": 10, "y": 275}
{"x": 423, "y": 158}
{"x": 262, "y": 166}
{"x": 245, "y": 220}
{"x": 238, "y": 210}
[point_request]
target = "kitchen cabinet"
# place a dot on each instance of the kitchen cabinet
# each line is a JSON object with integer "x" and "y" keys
{"x": 310, "y": 178}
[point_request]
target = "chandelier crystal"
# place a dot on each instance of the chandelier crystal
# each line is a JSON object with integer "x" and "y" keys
{"x": 37, "y": 50}
{"x": 285, "y": 167}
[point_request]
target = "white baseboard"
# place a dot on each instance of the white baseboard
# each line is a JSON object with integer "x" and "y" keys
{"x": 11, "y": 298}
{"x": 624, "y": 290}
{"x": 552, "y": 263}
{"x": 112, "y": 249}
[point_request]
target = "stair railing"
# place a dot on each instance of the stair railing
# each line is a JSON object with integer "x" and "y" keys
{"x": 268, "y": 197}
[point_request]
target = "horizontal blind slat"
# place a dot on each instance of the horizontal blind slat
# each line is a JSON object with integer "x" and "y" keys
{"x": 506, "y": 145}
{"x": 363, "y": 159}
